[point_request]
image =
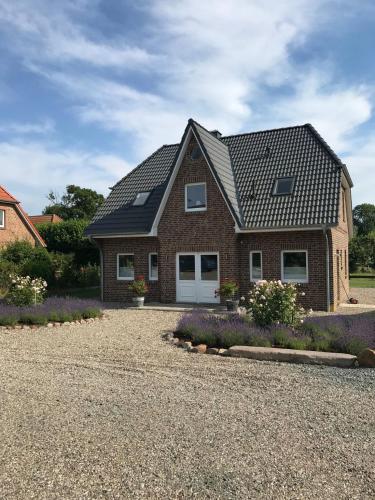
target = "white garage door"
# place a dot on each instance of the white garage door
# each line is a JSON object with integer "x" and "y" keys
{"x": 197, "y": 277}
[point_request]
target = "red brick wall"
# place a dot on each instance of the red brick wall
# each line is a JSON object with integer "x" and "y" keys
{"x": 271, "y": 244}
{"x": 213, "y": 230}
{"x": 180, "y": 231}
{"x": 117, "y": 290}
{"x": 15, "y": 229}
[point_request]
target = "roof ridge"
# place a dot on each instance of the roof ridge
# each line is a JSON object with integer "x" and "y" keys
{"x": 192, "y": 121}
{"x": 265, "y": 130}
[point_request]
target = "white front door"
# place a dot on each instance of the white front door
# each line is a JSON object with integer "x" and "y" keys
{"x": 197, "y": 277}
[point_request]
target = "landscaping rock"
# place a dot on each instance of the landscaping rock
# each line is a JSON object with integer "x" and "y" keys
{"x": 293, "y": 356}
{"x": 212, "y": 350}
{"x": 186, "y": 345}
{"x": 200, "y": 349}
{"x": 50, "y": 325}
{"x": 223, "y": 352}
{"x": 367, "y": 358}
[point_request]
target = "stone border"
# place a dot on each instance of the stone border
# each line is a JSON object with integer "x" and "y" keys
{"x": 54, "y": 324}
{"x": 340, "y": 360}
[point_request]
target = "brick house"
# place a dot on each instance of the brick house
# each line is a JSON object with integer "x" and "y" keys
{"x": 274, "y": 204}
{"x": 15, "y": 224}
{"x": 45, "y": 219}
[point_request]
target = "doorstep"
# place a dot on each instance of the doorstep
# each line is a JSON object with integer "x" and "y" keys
{"x": 358, "y": 306}
{"x": 293, "y": 356}
{"x": 156, "y": 306}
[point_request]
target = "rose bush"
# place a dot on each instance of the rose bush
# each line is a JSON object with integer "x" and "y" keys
{"x": 274, "y": 302}
{"x": 26, "y": 291}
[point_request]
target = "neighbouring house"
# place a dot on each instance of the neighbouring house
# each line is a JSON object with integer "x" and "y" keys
{"x": 274, "y": 204}
{"x": 15, "y": 224}
{"x": 45, "y": 219}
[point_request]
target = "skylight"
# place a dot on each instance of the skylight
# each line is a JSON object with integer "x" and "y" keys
{"x": 283, "y": 185}
{"x": 141, "y": 198}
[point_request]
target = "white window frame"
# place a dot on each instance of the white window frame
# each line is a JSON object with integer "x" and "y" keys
{"x": 123, "y": 278}
{"x": 253, "y": 280}
{"x": 151, "y": 278}
{"x": 199, "y": 209}
{"x": 288, "y": 280}
{"x": 2, "y": 225}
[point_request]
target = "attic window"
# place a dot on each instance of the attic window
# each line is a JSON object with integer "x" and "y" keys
{"x": 141, "y": 198}
{"x": 283, "y": 185}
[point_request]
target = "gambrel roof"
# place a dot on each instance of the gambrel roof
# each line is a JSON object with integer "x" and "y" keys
{"x": 245, "y": 167}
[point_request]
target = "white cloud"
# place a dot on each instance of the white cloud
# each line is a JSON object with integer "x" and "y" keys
{"x": 52, "y": 168}
{"x": 49, "y": 33}
{"x": 220, "y": 62}
{"x": 335, "y": 111}
{"x": 44, "y": 127}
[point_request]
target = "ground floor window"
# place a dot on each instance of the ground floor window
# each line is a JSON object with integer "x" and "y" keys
{"x": 153, "y": 266}
{"x": 256, "y": 266}
{"x": 294, "y": 266}
{"x": 125, "y": 266}
{"x": 2, "y": 218}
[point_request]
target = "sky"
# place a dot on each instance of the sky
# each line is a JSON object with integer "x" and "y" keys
{"x": 89, "y": 88}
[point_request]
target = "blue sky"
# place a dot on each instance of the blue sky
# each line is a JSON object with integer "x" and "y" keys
{"x": 88, "y": 88}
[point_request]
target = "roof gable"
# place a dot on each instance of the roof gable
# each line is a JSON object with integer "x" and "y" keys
{"x": 245, "y": 167}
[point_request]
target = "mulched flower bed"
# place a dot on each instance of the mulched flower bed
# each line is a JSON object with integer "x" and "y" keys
{"x": 53, "y": 310}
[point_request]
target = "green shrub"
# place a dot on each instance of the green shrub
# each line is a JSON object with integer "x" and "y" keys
{"x": 258, "y": 341}
{"x": 7, "y": 270}
{"x": 33, "y": 319}
{"x": 18, "y": 252}
{"x": 274, "y": 302}
{"x": 300, "y": 343}
{"x": 25, "y": 291}
{"x": 281, "y": 337}
{"x": 204, "y": 337}
{"x": 91, "y": 312}
{"x": 355, "y": 346}
{"x": 8, "y": 320}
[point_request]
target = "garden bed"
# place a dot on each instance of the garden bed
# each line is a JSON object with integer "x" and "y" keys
{"x": 338, "y": 333}
{"x": 55, "y": 310}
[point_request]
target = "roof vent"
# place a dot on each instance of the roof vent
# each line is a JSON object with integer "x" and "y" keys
{"x": 216, "y": 133}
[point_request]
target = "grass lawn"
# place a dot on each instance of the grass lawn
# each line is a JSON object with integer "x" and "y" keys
{"x": 80, "y": 293}
{"x": 362, "y": 280}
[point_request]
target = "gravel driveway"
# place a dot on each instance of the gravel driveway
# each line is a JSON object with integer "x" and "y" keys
{"x": 112, "y": 411}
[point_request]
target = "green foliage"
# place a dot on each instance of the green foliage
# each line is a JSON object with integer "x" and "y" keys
{"x": 26, "y": 291}
{"x": 33, "y": 319}
{"x": 364, "y": 218}
{"x": 18, "y": 252}
{"x": 273, "y": 302}
{"x": 228, "y": 289}
{"x": 68, "y": 237}
{"x": 7, "y": 270}
{"x": 139, "y": 286}
{"x": 76, "y": 203}
{"x": 362, "y": 252}
{"x": 8, "y": 320}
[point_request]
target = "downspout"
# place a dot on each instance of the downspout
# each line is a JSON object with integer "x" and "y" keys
{"x": 101, "y": 268}
{"x": 328, "y": 285}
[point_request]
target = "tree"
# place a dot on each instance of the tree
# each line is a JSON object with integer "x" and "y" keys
{"x": 68, "y": 237}
{"x": 362, "y": 252}
{"x": 76, "y": 203}
{"x": 364, "y": 218}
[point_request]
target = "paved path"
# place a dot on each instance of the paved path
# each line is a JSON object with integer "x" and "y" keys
{"x": 109, "y": 410}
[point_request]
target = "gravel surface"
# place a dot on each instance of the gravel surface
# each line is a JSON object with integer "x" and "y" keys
{"x": 109, "y": 410}
{"x": 364, "y": 295}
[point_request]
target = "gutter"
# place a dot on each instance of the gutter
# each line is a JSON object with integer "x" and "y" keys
{"x": 328, "y": 286}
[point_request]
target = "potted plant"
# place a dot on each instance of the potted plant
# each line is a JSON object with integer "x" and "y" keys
{"x": 228, "y": 289}
{"x": 139, "y": 288}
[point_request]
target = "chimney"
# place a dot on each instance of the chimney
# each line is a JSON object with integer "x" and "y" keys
{"x": 216, "y": 133}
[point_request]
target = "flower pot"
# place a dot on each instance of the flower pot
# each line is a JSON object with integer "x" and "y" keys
{"x": 232, "y": 305}
{"x": 139, "y": 301}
